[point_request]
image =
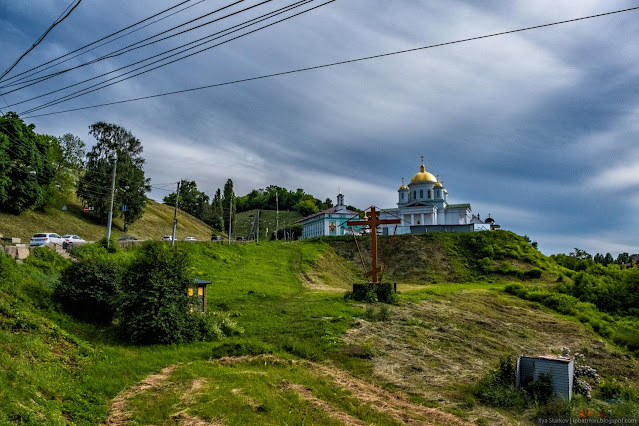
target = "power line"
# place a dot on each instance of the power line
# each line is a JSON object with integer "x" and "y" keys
{"x": 78, "y": 93}
{"x": 211, "y": 37}
{"x": 349, "y": 61}
{"x": 116, "y": 52}
{"x": 39, "y": 40}
{"x": 102, "y": 39}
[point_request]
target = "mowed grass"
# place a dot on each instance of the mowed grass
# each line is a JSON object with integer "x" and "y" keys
{"x": 156, "y": 222}
{"x": 261, "y": 390}
{"x": 432, "y": 346}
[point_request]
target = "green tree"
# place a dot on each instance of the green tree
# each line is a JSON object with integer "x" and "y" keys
{"x": 154, "y": 306}
{"x": 228, "y": 201}
{"x": 192, "y": 201}
{"x": 217, "y": 212}
{"x": 114, "y": 143}
{"x": 26, "y": 169}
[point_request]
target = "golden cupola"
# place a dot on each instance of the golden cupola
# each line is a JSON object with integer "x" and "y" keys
{"x": 439, "y": 184}
{"x": 423, "y": 175}
{"x": 403, "y": 187}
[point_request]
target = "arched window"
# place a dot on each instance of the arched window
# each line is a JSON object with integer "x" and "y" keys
{"x": 414, "y": 194}
{"x": 439, "y": 193}
{"x": 429, "y": 193}
{"x": 421, "y": 193}
{"x": 402, "y": 196}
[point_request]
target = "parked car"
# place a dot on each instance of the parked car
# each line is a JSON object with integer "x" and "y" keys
{"x": 240, "y": 239}
{"x": 45, "y": 238}
{"x": 72, "y": 241}
{"x": 167, "y": 238}
{"x": 216, "y": 238}
{"x": 190, "y": 239}
{"x": 127, "y": 238}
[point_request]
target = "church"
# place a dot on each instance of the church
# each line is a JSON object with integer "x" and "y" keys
{"x": 330, "y": 222}
{"x": 423, "y": 207}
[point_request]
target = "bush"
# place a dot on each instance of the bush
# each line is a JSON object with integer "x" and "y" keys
{"x": 540, "y": 389}
{"x": 47, "y": 260}
{"x": 497, "y": 386}
{"x": 154, "y": 302}
{"x": 88, "y": 290}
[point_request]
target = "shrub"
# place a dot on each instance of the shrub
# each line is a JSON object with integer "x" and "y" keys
{"x": 384, "y": 313}
{"x": 88, "y": 290}
{"x": 497, "y": 386}
{"x": 47, "y": 260}
{"x": 154, "y": 302}
{"x": 540, "y": 389}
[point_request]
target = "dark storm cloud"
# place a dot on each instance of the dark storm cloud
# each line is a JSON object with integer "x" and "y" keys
{"x": 536, "y": 128}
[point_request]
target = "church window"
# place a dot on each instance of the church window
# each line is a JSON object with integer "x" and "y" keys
{"x": 402, "y": 196}
{"x": 421, "y": 193}
{"x": 414, "y": 194}
{"x": 429, "y": 193}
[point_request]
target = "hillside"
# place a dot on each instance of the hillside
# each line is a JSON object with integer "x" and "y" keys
{"x": 307, "y": 356}
{"x": 244, "y": 222}
{"x": 156, "y": 222}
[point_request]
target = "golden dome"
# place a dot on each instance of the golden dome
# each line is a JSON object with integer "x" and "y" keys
{"x": 423, "y": 176}
{"x": 438, "y": 185}
{"x": 403, "y": 186}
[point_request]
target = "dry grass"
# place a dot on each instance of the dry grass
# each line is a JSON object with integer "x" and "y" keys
{"x": 436, "y": 348}
{"x": 156, "y": 222}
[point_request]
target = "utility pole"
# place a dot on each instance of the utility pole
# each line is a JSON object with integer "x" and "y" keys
{"x": 277, "y": 214}
{"x": 110, "y": 221}
{"x": 258, "y": 226}
{"x": 284, "y": 229}
{"x": 230, "y": 215}
{"x": 177, "y": 200}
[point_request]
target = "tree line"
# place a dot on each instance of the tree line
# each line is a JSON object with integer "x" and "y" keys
{"x": 39, "y": 171}
{"x": 215, "y": 212}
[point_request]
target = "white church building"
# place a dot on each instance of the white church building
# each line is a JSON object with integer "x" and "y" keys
{"x": 423, "y": 207}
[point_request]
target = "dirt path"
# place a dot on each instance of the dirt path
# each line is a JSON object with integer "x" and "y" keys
{"x": 394, "y": 405}
{"x": 118, "y": 411}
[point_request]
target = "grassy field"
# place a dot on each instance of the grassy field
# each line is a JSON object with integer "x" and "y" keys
{"x": 244, "y": 222}
{"x": 307, "y": 356}
{"x": 156, "y": 222}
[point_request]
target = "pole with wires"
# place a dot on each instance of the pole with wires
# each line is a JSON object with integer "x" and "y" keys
{"x": 110, "y": 220}
{"x": 277, "y": 214}
{"x": 177, "y": 200}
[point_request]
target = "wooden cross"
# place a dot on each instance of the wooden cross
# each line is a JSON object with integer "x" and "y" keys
{"x": 373, "y": 220}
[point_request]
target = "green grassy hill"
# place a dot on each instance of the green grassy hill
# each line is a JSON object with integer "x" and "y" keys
{"x": 307, "y": 356}
{"x": 244, "y": 222}
{"x": 156, "y": 222}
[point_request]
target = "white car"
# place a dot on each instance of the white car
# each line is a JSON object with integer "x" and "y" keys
{"x": 72, "y": 240}
{"x": 45, "y": 238}
{"x": 167, "y": 238}
{"x": 190, "y": 239}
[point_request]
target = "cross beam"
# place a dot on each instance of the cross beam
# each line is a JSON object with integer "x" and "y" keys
{"x": 373, "y": 220}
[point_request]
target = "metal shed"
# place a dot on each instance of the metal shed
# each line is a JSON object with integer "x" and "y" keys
{"x": 560, "y": 369}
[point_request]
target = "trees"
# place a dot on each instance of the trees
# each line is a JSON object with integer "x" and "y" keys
{"x": 25, "y": 166}
{"x": 228, "y": 201}
{"x": 192, "y": 201}
{"x": 114, "y": 143}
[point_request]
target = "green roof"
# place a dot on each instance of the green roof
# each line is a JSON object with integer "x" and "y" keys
{"x": 458, "y": 206}
{"x": 200, "y": 281}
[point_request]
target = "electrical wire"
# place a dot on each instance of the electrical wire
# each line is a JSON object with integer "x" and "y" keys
{"x": 228, "y": 30}
{"x": 116, "y": 52}
{"x": 349, "y": 61}
{"x": 78, "y": 94}
{"x": 20, "y": 80}
{"x": 39, "y": 40}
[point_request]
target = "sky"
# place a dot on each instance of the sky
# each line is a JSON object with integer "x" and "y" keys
{"x": 539, "y": 129}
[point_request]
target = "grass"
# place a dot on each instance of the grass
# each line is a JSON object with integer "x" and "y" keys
{"x": 156, "y": 222}
{"x": 244, "y": 222}
{"x": 432, "y": 346}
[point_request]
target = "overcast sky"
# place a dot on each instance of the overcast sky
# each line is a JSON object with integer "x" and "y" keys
{"x": 538, "y": 128}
